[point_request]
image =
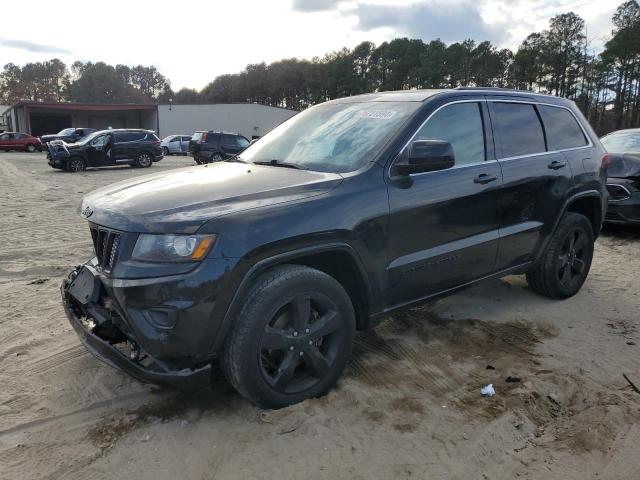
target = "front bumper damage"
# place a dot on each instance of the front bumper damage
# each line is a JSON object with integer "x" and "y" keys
{"x": 101, "y": 330}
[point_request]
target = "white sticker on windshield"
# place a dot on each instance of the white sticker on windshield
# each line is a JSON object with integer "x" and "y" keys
{"x": 380, "y": 114}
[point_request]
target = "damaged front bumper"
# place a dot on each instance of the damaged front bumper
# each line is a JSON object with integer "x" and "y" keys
{"x": 96, "y": 326}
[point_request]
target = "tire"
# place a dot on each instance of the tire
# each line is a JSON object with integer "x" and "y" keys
{"x": 564, "y": 267}
{"x": 31, "y": 148}
{"x": 216, "y": 157}
{"x": 165, "y": 151}
{"x": 291, "y": 339}
{"x": 75, "y": 164}
{"x": 144, "y": 160}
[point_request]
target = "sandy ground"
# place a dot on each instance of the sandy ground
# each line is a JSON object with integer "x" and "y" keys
{"x": 408, "y": 406}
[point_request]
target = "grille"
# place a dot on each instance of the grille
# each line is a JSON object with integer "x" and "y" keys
{"x": 618, "y": 192}
{"x": 105, "y": 245}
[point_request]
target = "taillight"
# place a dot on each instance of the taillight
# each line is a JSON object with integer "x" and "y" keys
{"x": 606, "y": 160}
{"x": 157, "y": 143}
{"x": 203, "y": 139}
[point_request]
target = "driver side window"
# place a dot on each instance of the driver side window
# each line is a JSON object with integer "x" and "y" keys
{"x": 461, "y": 125}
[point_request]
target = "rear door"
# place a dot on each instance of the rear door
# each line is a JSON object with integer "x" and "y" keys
{"x": 536, "y": 180}
{"x": 444, "y": 224}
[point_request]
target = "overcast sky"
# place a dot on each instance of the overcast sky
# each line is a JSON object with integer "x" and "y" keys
{"x": 193, "y": 41}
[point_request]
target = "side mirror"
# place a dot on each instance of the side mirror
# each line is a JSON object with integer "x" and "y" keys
{"x": 426, "y": 156}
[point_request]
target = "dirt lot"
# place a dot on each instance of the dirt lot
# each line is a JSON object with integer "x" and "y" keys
{"x": 408, "y": 406}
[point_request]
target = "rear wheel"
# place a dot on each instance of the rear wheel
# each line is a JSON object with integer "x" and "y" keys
{"x": 75, "y": 164}
{"x": 565, "y": 265}
{"x": 292, "y": 338}
{"x": 144, "y": 160}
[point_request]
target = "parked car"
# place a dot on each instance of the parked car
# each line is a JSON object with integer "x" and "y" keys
{"x": 208, "y": 147}
{"x": 68, "y": 135}
{"x": 623, "y": 183}
{"x": 175, "y": 144}
{"x": 269, "y": 262}
{"x": 138, "y": 148}
{"x": 19, "y": 141}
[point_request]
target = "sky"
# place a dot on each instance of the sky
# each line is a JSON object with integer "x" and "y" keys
{"x": 193, "y": 41}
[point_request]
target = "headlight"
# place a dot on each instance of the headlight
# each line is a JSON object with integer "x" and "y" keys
{"x": 172, "y": 248}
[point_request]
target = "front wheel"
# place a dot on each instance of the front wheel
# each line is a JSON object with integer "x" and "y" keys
{"x": 75, "y": 164}
{"x": 291, "y": 339}
{"x": 165, "y": 151}
{"x": 216, "y": 157}
{"x": 31, "y": 148}
{"x": 565, "y": 264}
{"x": 144, "y": 160}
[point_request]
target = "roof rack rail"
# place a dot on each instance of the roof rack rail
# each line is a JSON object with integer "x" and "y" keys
{"x": 490, "y": 88}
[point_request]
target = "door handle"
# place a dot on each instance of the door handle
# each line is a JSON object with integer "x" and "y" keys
{"x": 484, "y": 178}
{"x": 556, "y": 165}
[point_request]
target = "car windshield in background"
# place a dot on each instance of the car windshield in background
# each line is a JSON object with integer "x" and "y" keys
{"x": 339, "y": 137}
{"x": 197, "y": 136}
{"x": 622, "y": 142}
{"x": 67, "y": 131}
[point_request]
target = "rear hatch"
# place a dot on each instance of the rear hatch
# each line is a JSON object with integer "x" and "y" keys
{"x": 194, "y": 143}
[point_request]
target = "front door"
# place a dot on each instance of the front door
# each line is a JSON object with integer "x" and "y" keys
{"x": 444, "y": 224}
{"x": 95, "y": 152}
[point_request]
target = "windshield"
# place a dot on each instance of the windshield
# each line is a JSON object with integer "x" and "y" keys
{"x": 88, "y": 138}
{"x": 334, "y": 137}
{"x": 622, "y": 142}
{"x": 67, "y": 131}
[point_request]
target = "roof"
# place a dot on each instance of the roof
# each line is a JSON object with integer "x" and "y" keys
{"x": 86, "y": 106}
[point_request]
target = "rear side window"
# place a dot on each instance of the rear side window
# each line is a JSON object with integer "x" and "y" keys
{"x": 460, "y": 124}
{"x": 562, "y": 128}
{"x": 518, "y": 129}
{"x": 242, "y": 142}
{"x": 129, "y": 136}
{"x": 213, "y": 138}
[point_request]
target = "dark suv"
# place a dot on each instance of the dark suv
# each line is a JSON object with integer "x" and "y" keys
{"x": 268, "y": 263}
{"x": 208, "y": 147}
{"x": 138, "y": 148}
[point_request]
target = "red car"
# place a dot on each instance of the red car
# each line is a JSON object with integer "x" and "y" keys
{"x": 19, "y": 141}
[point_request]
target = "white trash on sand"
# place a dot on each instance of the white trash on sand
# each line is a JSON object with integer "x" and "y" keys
{"x": 488, "y": 391}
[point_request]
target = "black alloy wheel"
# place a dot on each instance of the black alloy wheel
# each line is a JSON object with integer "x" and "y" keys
{"x": 292, "y": 337}
{"x": 572, "y": 260}
{"x": 300, "y": 344}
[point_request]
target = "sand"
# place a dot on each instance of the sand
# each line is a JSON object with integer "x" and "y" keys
{"x": 408, "y": 406}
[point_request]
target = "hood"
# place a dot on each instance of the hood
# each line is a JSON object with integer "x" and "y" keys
{"x": 182, "y": 200}
{"x": 624, "y": 165}
{"x": 49, "y": 138}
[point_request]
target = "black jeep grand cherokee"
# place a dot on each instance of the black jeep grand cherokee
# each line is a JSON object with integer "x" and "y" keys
{"x": 268, "y": 263}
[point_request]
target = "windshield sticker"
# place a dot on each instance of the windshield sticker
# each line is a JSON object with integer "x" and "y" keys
{"x": 379, "y": 114}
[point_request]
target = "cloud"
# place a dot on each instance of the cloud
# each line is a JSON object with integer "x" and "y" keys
{"x": 314, "y": 5}
{"x": 31, "y": 46}
{"x": 448, "y": 20}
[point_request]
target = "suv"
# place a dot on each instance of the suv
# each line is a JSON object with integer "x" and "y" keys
{"x": 208, "y": 147}
{"x": 68, "y": 135}
{"x": 138, "y": 148}
{"x": 268, "y": 263}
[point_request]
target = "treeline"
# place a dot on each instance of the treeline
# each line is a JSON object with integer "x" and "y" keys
{"x": 52, "y": 81}
{"x": 606, "y": 86}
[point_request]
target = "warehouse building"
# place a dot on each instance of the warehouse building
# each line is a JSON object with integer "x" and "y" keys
{"x": 248, "y": 119}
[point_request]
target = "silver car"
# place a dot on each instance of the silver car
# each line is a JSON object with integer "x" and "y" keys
{"x": 175, "y": 144}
